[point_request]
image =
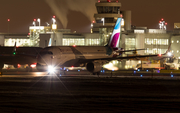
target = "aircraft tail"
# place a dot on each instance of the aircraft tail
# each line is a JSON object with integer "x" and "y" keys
{"x": 115, "y": 37}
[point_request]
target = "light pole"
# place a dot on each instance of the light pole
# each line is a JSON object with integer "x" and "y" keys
{"x": 38, "y": 20}
{"x": 103, "y": 21}
{"x": 54, "y": 27}
{"x": 47, "y": 23}
{"x": 54, "y": 20}
{"x": 34, "y": 22}
{"x": 8, "y": 24}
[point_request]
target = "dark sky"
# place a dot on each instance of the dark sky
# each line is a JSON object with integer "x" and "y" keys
{"x": 144, "y": 13}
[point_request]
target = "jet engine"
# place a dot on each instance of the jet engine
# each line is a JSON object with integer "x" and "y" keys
{"x": 94, "y": 67}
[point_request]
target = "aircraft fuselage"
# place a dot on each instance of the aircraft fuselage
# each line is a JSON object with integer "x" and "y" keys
{"x": 68, "y": 56}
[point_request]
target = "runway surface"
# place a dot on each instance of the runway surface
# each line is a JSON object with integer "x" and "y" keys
{"x": 42, "y": 93}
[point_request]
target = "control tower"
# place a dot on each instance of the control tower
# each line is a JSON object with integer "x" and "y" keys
{"x": 107, "y": 13}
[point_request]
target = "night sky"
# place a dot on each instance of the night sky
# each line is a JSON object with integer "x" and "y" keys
{"x": 79, "y": 13}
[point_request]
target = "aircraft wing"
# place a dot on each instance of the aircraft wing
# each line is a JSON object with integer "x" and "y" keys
{"x": 131, "y": 50}
{"x": 121, "y": 58}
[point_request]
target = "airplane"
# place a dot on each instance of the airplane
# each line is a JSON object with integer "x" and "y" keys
{"x": 92, "y": 57}
{"x": 18, "y": 56}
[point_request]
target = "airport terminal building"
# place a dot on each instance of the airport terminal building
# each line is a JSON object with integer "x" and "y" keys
{"x": 155, "y": 41}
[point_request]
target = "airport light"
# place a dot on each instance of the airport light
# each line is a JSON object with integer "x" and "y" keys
{"x": 38, "y": 20}
{"x": 54, "y": 20}
{"x": 34, "y": 23}
{"x": 91, "y": 24}
{"x": 162, "y": 24}
{"x": 169, "y": 54}
{"x": 47, "y": 23}
{"x": 8, "y": 24}
{"x": 103, "y": 21}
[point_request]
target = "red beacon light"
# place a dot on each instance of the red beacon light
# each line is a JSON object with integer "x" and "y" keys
{"x": 34, "y": 20}
{"x": 162, "y": 19}
{"x": 74, "y": 45}
{"x": 99, "y": 1}
{"x": 159, "y": 55}
{"x": 8, "y": 20}
{"x": 54, "y": 16}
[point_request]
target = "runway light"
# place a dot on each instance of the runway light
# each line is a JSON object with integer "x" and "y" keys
{"x": 169, "y": 53}
{"x": 147, "y": 70}
{"x": 78, "y": 70}
{"x": 138, "y": 69}
{"x": 172, "y": 76}
{"x": 19, "y": 65}
{"x": 141, "y": 75}
{"x": 33, "y": 65}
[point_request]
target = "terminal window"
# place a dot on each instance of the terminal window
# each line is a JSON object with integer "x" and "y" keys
{"x": 151, "y": 41}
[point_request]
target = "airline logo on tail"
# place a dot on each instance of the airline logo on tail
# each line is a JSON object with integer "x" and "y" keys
{"x": 115, "y": 37}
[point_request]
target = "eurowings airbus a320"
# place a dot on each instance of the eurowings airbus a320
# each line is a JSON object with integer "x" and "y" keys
{"x": 92, "y": 57}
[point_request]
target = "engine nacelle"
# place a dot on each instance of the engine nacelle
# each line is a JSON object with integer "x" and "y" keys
{"x": 94, "y": 67}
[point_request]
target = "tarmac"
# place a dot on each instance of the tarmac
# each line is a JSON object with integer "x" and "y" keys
{"x": 38, "y": 92}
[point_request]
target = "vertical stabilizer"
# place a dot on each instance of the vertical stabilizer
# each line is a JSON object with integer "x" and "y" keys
{"x": 115, "y": 37}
